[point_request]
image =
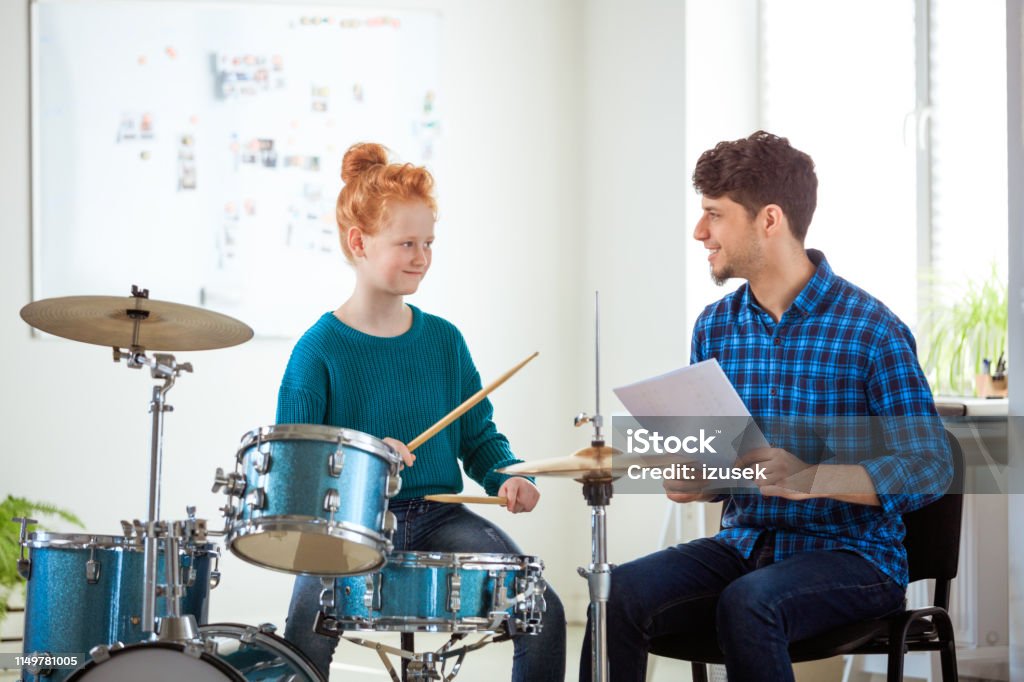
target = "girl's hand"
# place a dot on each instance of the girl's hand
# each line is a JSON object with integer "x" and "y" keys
{"x": 521, "y": 494}
{"x": 407, "y": 457}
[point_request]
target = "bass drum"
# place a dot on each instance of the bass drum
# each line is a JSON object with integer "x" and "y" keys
{"x": 156, "y": 662}
{"x": 258, "y": 654}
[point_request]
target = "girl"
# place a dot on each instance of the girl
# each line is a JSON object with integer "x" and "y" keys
{"x": 383, "y": 367}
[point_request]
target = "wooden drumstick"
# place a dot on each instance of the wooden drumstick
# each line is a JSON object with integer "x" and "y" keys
{"x": 467, "y": 499}
{"x": 466, "y": 406}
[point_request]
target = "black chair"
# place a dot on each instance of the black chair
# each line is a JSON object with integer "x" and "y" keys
{"x": 933, "y": 551}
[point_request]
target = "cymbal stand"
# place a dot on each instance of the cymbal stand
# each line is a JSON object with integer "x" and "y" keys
{"x": 598, "y": 493}
{"x": 163, "y": 367}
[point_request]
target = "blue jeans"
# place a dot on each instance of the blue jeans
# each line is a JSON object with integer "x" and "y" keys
{"x": 439, "y": 527}
{"x": 756, "y": 606}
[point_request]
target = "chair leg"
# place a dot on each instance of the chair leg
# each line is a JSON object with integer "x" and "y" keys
{"x": 897, "y": 650}
{"x": 948, "y": 659}
{"x": 699, "y": 671}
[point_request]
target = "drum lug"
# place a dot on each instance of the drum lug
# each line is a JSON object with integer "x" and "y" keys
{"x": 394, "y": 485}
{"x": 454, "y": 592}
{"x": 215, "y": 572}
{"x": 390, "y": 524}
{"x": 261, "y": 460}
{"x": 24, "y": 565}
{"x": 327, "y": 595}
{"x": 257, "y": 498}
{"x": 336, "y": 462}
{"x": 267, "y": 628}
{"x": 373, "y": 594}
{"x": 92, "y": 568}
{"x": 39, "y": 670}
{"x": 332, "y": 502}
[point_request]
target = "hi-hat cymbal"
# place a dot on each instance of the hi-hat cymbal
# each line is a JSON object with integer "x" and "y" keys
{"x": 591, "y": 463}
{"x": 110, "y": 321}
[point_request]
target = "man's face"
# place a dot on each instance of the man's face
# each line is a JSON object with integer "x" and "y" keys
{"x": 728, "y": 233}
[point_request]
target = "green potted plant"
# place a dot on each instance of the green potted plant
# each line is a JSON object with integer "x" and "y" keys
{"x": 10, "y": 537}
{"x": 965, "y": 330}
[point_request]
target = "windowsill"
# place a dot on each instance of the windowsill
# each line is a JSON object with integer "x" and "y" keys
{"x": 972, "y": 407}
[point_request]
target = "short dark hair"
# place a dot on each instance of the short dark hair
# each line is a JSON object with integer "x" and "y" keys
{"x": 759, "y": 170}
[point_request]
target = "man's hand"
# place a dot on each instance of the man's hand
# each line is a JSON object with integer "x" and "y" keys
{"x": 685, "y": 490}
{"x": 785, "y": 474}
{"x": 407, "y": 457}
{"x": 521, "y": 494}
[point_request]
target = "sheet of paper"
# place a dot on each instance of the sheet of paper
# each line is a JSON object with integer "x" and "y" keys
{"x": 700, "y": 390}
{"x": 697, "y": 399}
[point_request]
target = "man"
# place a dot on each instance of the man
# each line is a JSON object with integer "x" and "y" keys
{"x": 819, "y": 545}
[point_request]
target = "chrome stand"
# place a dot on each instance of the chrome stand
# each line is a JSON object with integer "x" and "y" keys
{"x": 598, "y": 493}
{"x": 163, "y": 367}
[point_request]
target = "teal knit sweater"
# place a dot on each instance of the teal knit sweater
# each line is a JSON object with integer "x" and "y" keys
{"x": 398, "y": 387}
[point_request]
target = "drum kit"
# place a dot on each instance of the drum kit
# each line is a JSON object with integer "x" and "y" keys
{"x": 302, "y": 499}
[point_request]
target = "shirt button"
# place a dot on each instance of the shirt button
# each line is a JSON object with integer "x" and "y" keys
{"x": 773, "y": 392}
{"x": 778, "y": 341}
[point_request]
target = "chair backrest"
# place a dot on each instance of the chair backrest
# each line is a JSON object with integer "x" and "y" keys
{"x": 933, "y": 532}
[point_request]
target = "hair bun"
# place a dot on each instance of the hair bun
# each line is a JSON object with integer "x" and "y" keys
{"x": 360, "y": 158}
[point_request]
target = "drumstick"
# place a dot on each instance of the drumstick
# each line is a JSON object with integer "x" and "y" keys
{"x": 467, "y": 499}
{"x": 466, "y": 406}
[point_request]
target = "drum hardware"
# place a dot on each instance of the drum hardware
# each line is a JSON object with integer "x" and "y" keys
{"x": 595, "y": 467}
{"x": 427, "y": 665}
{"x": 24, "y": 565}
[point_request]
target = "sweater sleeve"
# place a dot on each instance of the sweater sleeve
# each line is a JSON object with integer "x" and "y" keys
{"x": 483, "y": 449}
{"x": 302, "y": 398}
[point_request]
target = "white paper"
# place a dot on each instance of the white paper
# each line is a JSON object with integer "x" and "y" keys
{"x": 700, "y": 390}
{"x": 689, "y": 394}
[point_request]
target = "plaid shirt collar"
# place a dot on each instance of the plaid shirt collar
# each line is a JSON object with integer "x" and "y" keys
{"x": 810, "y": 300}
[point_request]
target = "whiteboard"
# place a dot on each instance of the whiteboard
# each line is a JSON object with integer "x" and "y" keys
{"x": 194, "y": 148}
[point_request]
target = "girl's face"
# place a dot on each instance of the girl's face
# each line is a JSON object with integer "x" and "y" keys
{"x": 397, "y": 258}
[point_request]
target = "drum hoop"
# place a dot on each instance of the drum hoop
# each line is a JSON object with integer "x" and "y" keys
{"x": 416, "y": 624}
{"x": 342, "y": 530}
{"x": 320, "y": 432}
{"x": 273, "y": 641}
{"x": 222, "y": 666}
{"x": 42, "y": 539}
{"x": 467, "y": 560}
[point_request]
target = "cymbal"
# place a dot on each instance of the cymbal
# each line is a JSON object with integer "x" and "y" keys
{"x": 587, "y": 464}
{"x": 164, "y": 326}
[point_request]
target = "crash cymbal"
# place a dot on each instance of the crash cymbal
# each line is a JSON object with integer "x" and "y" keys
{"x": 587, "y": 464}
{"x": 110, "y": 321}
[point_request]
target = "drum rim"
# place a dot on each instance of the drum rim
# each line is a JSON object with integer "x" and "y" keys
{"x": 306, "y": 665}
{"x": 342, "y": 530}
{"x": 44, "y": 539}
{"x": 41, "y": 539}
{"x": 419, "y": 624}
{"x": 320, "y": 432}
{"x": 222, "y": 666}
{"x": 468, "y": 560}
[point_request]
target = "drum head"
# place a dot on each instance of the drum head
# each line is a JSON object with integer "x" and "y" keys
{"x": 157, "y": 662}
{"x": 294, "y": 551}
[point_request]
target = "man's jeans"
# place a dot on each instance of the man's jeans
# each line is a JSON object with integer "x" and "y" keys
{"x": 439, "y": 527}
{"x": 756, "y": 606}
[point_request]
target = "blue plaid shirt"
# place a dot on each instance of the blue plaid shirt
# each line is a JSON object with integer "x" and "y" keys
{"x": 836, "y": 352}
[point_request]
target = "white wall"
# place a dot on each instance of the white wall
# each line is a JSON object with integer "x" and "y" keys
{"x": 562, "y": 165}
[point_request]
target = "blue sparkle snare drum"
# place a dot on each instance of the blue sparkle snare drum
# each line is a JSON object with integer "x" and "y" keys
{"x": 310, "y": 499}
{"x": 87, "y": 590}
{"x": 435, "y": 592}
